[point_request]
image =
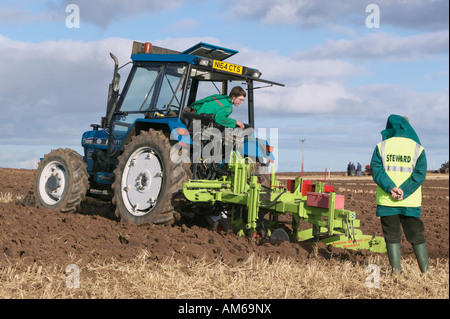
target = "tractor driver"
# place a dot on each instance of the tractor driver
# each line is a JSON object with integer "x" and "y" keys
{"x": 221, "y": 106}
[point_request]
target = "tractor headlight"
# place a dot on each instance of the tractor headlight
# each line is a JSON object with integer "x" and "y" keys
{"x": 256, "y": 74}
{"x": 203, "y": 62}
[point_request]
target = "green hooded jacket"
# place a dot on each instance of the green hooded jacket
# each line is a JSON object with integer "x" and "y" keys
{"x": 217, "y": 105}
{"x": 398, "y": 126}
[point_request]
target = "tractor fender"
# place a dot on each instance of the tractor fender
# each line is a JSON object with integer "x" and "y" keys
{"x": 257, "y": 148}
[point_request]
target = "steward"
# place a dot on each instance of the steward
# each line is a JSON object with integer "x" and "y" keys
{"x": 399, "y": 167}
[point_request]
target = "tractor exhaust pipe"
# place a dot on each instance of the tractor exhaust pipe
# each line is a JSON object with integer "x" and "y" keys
{"x": 113, "y": 92}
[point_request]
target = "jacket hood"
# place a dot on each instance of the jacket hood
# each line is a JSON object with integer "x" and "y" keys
{"x": 398, "y": 126}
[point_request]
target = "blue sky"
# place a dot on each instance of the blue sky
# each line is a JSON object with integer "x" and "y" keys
{"x": 342, "y": 78}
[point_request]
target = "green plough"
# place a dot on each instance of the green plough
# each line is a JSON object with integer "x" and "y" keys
{"x": 316, "y": 204}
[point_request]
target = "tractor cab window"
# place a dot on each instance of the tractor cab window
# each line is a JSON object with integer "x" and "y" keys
{"x": 140, "y": 89}
{"x": 154, "y": 90}
{"x": 170, "y": 94}
{"x": 207, "y": 88}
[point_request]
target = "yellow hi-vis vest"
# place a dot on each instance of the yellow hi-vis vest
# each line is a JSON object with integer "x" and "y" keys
{"x": 399, "y": 156}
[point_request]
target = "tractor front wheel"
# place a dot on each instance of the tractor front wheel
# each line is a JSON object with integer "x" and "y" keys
{"x": 62, "y": 181}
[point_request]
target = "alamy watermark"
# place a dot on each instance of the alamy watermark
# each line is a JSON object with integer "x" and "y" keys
{"x": 373, "y": 280}
{"x": 73, "y": 279}
{"x": 373, "y": 19}
{"x": 212, "y": 145}
{"x": 73, "y": 19}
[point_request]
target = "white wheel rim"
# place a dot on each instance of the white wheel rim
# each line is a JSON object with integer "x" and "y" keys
{"x": 141, "y": 181}
{"x": 52, "y": 183}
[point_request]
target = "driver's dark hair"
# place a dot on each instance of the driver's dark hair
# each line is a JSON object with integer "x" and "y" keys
{"x": 237, "y": 91}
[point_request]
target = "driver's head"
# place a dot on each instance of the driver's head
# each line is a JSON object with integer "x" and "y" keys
{"x": 237, "y": 95}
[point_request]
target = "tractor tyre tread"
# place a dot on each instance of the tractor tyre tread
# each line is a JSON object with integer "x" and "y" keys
{"x": 78, "y": 180}
{"x": 169, "y": 200}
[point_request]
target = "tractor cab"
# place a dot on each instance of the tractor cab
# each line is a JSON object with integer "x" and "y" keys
{"x": 160, "y": 87}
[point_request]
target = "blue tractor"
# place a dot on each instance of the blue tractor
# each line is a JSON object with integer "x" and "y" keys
{"x": 150, "y": 141}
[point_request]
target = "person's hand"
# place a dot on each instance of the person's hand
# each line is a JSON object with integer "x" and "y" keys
{"x": 240, "y": 124}
{"x": 397, "y": 193}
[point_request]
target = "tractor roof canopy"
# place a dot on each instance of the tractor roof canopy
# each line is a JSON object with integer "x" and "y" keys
{"x": 205, "y": 57}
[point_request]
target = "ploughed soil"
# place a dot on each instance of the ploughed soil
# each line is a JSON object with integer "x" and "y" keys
{"x": 29, "y": 234}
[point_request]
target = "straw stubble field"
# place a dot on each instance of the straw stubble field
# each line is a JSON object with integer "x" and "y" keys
{"x": 46, "y": 254}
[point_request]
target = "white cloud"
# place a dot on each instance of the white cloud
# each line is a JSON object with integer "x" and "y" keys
{"x": 295, "y": 69}
{"x": 19, "y": 13}
{"x": 322, "y": 98}
{"x": 181, "y": 26}
{"x": 100, "y": 13}
{"x": 412, "y": 14}
{"x": 428, "y": 112}
{"x": 382, "y": 46}
{"x": 316, "y": 84}
{"x": 292, "y": 12}
{"x": 54, "y": 89}
{"x": 181, "y": 44}
{"x": 18, "y": 159}
{"x": 103, "y": 12}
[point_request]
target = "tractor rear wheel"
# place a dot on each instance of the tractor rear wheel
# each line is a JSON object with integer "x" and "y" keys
{"x": 62, "y": 181}
{"x": 147, "y": 186}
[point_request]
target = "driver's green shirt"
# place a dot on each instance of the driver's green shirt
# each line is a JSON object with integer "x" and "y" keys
{"x": 217, "y": 105}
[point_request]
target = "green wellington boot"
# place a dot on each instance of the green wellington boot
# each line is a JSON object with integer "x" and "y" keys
{"x": 422, "y": 257}
{"x": 394, "y": 254}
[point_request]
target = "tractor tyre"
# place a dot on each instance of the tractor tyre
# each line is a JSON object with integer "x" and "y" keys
{"x": 148, "y": 184}
{"x": 62, "y": 181}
